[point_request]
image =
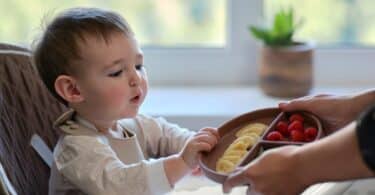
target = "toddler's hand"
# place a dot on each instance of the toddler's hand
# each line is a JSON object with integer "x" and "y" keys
{"x": 204, "y": 140}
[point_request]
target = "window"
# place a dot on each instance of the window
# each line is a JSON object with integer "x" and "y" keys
{"x": 344, "y": 23}
{"x": 162, "y": 23}
{"x": 195, "y": 42}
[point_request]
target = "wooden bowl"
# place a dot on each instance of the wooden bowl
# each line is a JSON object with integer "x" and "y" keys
{"x": 227, "y": 131}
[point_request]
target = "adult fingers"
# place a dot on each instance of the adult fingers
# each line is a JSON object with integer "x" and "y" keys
{"x": 304, "y": 103}
{"x": 251, "y": 191}
{"x": 196, "y": 171}
{"x": 237, "y": 178}
{"x": 297, "y": 104}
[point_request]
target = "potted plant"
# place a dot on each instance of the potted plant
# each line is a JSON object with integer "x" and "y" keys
{"x": 285, "y": 65}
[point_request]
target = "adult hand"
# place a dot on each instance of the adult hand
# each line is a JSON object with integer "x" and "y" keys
{"x": 334, "y": 111}
{"x": 274, "y": 172}
{"x": 197, "y": 171}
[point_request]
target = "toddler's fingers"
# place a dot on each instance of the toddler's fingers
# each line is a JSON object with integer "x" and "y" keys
{"x": 211, "y": 130}
{"x": 207, "y": 139}
{"x": 203, "y": 147}
{"x": 215, "y": 132}
{"x": 206, "y": 133}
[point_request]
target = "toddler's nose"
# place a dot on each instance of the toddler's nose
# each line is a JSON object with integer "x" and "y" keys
{"x": 135, "y": 79}
{"x": 133, "y": 83}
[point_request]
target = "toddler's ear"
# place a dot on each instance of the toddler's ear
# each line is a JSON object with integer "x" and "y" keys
{"x": 66, "y": 87}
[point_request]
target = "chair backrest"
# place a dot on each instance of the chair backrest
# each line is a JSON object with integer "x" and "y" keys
{"x": 26, "y": 107}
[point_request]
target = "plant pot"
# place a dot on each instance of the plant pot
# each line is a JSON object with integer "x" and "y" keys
{"x": 286, "y": 71}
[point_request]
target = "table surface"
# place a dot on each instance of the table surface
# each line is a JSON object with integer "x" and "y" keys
{"x": 200, "y": 185}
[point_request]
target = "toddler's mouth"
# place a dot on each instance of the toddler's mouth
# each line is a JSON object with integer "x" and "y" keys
{"x": 136, "y": 99}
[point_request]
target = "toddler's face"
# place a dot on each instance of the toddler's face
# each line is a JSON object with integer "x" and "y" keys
{"x": 113, "y": 81}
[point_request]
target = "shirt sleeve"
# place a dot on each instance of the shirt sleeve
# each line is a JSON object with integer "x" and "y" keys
{"x": 94, "y": 168}
{"x": 162, "y": 138}
{"x": 366, "y": 137}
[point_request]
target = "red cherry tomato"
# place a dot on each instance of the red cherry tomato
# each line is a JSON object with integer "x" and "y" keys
{"x": 274, "y": 136}
{"x": 282, "y": 127}
{"x": 310, "y": 133}
{"x": 295, "y": 125}
{"x": 297, "y": 136}
{"x": 296, "y": 117}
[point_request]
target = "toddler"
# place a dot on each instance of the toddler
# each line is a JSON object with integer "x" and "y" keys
{"x": 90, "y": 60}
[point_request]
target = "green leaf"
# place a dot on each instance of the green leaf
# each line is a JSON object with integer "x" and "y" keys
{"x": 282, "y": 30}
{"x": 260, "y": 33}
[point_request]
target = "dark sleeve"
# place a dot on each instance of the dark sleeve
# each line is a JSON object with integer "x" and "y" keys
{"x": 366, "y": 136}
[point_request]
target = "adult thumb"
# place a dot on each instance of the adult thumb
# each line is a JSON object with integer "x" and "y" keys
{"x": 235, "y": 179}
{"x": 292, "y": 105}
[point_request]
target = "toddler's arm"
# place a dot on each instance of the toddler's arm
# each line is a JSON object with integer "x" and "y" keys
{"x": 94, "y": 168}
{"x": 161, "y": 137}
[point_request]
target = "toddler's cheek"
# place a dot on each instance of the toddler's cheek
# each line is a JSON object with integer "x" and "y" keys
{"x": 115, "y": 96}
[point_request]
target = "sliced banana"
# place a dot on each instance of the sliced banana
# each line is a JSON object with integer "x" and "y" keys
{"x": 240, "y": 153}
{"x": 225, "y": 166}
{"x": 242, "y": 143}
{"x": 246, "y": 138}
{"x": 257, "y": 128}
{"x": 232, "y": 158}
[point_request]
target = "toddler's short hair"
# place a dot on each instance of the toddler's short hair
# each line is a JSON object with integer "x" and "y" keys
{"x": 58, "y": 48}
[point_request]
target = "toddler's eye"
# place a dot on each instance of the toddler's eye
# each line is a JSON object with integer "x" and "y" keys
{"x": 116, "y": 74}
{"x": 139, "y": 66}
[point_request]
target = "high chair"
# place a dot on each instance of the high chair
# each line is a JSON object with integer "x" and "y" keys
{"x": 26, "y": 108}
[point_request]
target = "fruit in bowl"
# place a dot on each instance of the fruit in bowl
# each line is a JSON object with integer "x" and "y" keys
{"x": 244, "y": 137}
{"x": 247, "y": 137}
{"x": 294, "y": 127}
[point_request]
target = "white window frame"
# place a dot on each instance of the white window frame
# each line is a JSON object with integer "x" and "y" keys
{"x": 236, "y": 63}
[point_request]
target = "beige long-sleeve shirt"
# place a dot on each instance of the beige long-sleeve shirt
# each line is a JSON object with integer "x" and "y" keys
{"x": 125, "y": 161}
